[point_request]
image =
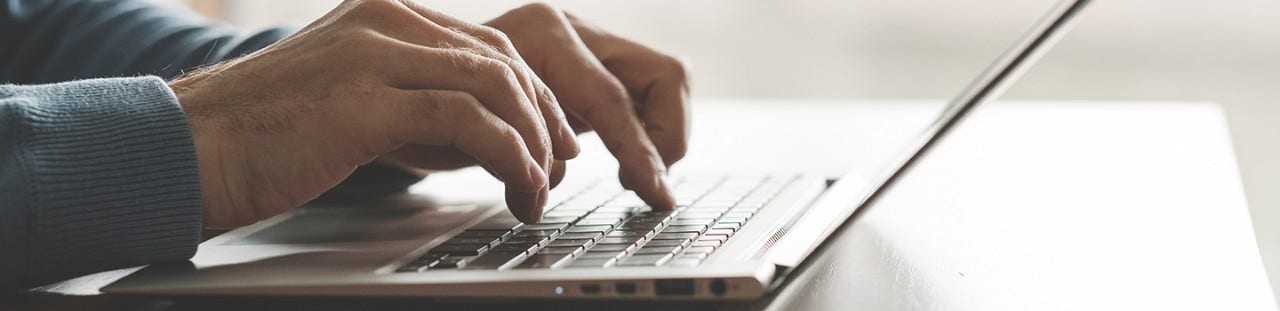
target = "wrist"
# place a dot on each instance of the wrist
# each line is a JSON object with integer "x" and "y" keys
{"x": 209, "y": 158}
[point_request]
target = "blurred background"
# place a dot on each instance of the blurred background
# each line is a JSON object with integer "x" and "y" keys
{"x": 1226, "y": 52}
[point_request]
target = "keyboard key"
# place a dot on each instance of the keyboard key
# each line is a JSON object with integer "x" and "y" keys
{"x": 590, "y": 236}
{"x": 593, "y": 254}
{"x": 645, "y": 260}
{"x": 588, "y": 229}
{"x": 693, "y": 222}
{"x": 724, "y": 232}
{"x": 544, "y": 226}
{"x": 648, "y": 249}
{"x": 544, "y": 261}
{"x": 676, "y": 236}
{"x": 700, "y": 250}
{"x": 738, "y": 220}
{"x": 560, "y": 250}
{"x": 494, "y": 260}
{"x": 680, "y": 242}
{"x": 613, "y": 247}
{"x": 685, "y": 229}
{"x": 629, "y": 233}
{"x": 619, "y": 240}
{"x": 516, "y": 248}
{"x": 484, "y": 234}
{"x": 537, "y": 233}
{"x": 450, "y": 263}
{"x": 739, "y": 214}
{"x": 461, "y": 249}
{"x": 540, "y": 241}
{"x": 717, "y": 238}
{"x": 548, "y": 219}
{"x": 729, "y": 225}
{"x": 571, "y": 242}
{"x": 486, "y": 241}
{"x": 706, "y": 243}
{"x": 600, "y": 222}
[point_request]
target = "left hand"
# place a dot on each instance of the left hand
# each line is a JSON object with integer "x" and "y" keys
{"x": 635, "y": 98}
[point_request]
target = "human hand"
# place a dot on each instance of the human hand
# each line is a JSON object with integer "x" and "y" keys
{"x": 277, "y": 128}
{"x": 635, "y": 98}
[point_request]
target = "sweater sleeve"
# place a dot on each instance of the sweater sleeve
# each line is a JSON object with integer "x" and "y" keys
{"x": 94, "y": 175}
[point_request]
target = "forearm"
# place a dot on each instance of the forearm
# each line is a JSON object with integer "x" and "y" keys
{"x": 63, "y": 40}
{"x": 94, "y": 175}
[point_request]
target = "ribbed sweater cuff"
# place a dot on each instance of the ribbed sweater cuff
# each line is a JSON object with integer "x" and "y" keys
{"x": 115, "y": 174}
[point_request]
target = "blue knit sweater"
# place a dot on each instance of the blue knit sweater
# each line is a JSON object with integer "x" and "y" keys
{"x": 97, "y": 165}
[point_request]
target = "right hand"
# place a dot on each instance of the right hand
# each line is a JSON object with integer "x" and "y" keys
{"x": 277, "y": 128}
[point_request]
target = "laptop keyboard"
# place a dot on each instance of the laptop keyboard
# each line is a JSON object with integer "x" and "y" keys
{"x": 605, "y": 226}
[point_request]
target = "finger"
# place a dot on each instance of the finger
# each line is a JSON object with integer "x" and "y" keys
{"x": 557, "y": 173}
{"x": 659, "y": 84}
{"x": 440, "y": 118}
{"x": 563, "y": 141}
{"x": 491, "y": 81}
{"x": 590, "y": 92}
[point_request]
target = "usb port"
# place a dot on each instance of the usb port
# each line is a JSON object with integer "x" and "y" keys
{"x": 590, "y": 289}
{"x": 679, "y": 287}
{"x": 626, "y": 288}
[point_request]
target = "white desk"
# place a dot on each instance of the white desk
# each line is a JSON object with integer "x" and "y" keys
{"x": 1029, "y": 206}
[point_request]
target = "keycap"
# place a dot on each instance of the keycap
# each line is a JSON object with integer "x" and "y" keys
{"x": 647, "y": 249}
{"x": 685, "y": 229}
{"x": 487, "y": 241}
{"x": 493, "y": 260}
{"x": 450, "y": 263}
{"x": 514, "y": 248}
{"x": 543, "y": 261}
{"x": 724, "y": 232}
{"x": 461, "y": 249}
{"x": 738, "y": 220}
{"x": 613, "y": 247}
{"x": 700, "y": 250}
{"x": 729, "y": 225}
{"x": 590, "y": 229}
{"x": 676, "y": 236}
{"x": 548, "y": 219}
{"x": 563, "y": 250}
{"x": 540, "y": 241}
{"x": 629, "y": 233}
{"x": 599, "y": 222}
{"x": 693, "y": 222}
{"x": 739, "y": 214}
{"x": 706, "y": 243}
{"x": 483, "y": 233}
{"x": 590, "y": 236}
{"x": 539, "y": 233}
{"x": 545, "y": 226}
{"x": 679, "y": 242}
{"x": 572, "y": 242}
{"x": 645, "y": 260}
{"x": 601, "y": 254}
{"x": 619, "y": 240}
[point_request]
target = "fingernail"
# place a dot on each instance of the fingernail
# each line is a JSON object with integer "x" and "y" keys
{"x": 537, "y": 178}
{"x": 666, "y": 191}
{"x": 571, "y": 141}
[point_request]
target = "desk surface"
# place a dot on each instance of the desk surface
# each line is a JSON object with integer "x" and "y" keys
{"x": 1043, "y": 205}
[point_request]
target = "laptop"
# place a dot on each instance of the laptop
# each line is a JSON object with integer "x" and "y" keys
{"x": 730, "y": 237}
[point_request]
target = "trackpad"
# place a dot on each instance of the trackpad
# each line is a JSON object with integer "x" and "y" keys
{"x": 356, "y": 224}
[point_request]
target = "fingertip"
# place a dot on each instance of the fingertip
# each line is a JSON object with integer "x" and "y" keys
{"x": 526, "y": 206}
{"x": 537, "y": 179}
{"x": 570, "y": 145}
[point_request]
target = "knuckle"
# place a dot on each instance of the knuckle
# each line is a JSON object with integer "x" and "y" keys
{"x": 541, "y": 11}
{"x": 675, "y": 67}
{"x": 375, "y": 6}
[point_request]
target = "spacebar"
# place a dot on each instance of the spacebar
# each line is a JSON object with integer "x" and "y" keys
{"x": 494, "y": 261}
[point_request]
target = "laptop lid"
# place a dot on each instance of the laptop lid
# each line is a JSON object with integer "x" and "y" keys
{"x": 854, "y": 191}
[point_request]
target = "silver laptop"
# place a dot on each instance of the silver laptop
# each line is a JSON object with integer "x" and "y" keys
{"x": 729, "y": 238}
